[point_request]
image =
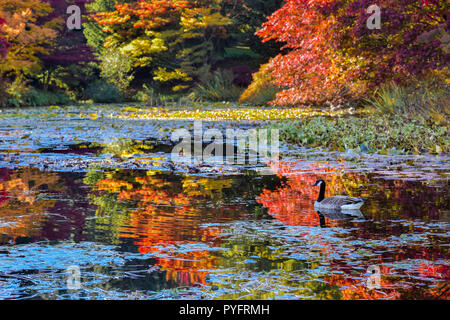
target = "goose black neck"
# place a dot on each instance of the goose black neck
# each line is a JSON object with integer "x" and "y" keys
{"x": 322, "y": 192}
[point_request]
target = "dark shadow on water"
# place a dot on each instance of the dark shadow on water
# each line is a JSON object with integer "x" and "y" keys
{"x": 338, "y": 214}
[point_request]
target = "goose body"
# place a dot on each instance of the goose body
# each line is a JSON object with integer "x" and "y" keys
{"x": 335, "y": 202}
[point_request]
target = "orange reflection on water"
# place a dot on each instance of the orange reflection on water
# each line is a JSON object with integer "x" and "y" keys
{"x": 293, "y": 203}
{"x": 188, "y": 269}
{"x": 21, "y": 210}
{"x": 172, "y": 214}
{"x": 391, "y": 287}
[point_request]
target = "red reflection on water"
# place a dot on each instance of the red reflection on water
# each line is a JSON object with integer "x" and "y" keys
{"x": 293, "y": 204}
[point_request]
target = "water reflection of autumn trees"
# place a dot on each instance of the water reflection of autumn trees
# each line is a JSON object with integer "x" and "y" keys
{"x": 165, "y": 210}
{"x": 22, "y": 209}
{"x": 37, "y": 205}
{"x": 388, "y": 200}
{"x": 172, "y": 215}
{"x": 293, "y": 203}
{"x": 177, "y": 219}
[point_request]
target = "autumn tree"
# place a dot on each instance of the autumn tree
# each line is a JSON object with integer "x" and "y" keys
{"x": 69, "y": 53}
{"x": 3, "y": 43}
{"x": 331, "y": 54}
{"x": 400, "y": 49}
{"x": 175, "y": 40}
{"x": 28, "y": 38}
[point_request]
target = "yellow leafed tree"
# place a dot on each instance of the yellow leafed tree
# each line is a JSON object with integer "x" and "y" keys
{"x": 27, "y": 37}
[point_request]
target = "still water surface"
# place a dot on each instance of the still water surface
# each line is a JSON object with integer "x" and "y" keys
{"x": 138, "y": 234}
{"x": 83, "y": 191}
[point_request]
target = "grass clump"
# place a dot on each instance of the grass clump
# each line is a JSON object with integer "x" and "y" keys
{"x": 19, "y": 94}
{"x": 425, "y": 100}
{"x": 218, "y": 86}
{"x": 152, "y": 98}
{"x": 374, "y": 134}
{"x": 262, "y": 90}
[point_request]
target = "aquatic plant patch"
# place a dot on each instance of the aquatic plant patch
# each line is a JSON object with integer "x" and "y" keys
{"x": 373, "y": 134}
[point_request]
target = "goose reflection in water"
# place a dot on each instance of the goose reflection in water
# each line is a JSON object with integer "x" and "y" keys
{"x": 336, "y": 214}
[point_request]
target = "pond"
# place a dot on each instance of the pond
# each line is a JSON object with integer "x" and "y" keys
{"x": 91, "y": 209}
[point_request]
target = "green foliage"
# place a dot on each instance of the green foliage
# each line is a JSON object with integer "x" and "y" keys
{"x": 239, "y": 53}
{"x": 72, "y": 80}
{"x": 218, "y": 86}
{"x": 35, "y": 97}
{"x": 247, "y": 17}
{"x": 103, "y": 92}
{"x": 93, "y": 176}
{"x": 3, "y": 94}
{"x": 376, "y": 133}
{"x": 16, "y": 92}
{"x": 92, "y": 31}
{"x": 151, "y": 97}
{"x": 116, "y": 68}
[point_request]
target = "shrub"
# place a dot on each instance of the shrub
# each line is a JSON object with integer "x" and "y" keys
{"x": 218, "y": 86}
{"x": 35, "y": 97}
{"x": 116, "y": 68}
{"x": 103, "y": 92}
{"x": 151, "y": 97}
{"x": 146, "y": 94}
{"x": 16, "y": 92}
{"x": 262, "y": 90}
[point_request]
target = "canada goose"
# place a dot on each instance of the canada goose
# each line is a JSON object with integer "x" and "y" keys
{"x": 335, "y": 202}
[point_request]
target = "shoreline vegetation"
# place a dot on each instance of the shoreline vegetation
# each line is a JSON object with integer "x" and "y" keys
{"x": 383, "y": 91}
{"x": 344, "y": 130}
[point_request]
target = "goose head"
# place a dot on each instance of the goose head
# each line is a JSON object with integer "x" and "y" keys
{"x": 319, "y": 183}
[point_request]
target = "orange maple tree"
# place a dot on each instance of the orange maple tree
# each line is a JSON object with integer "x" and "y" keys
{"x": 330, "y": 55}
